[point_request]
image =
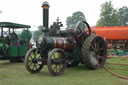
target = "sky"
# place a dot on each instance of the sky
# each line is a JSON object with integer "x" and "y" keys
{"x": 30, "y": 12}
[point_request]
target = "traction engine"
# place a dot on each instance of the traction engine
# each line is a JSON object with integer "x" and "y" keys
{"x": 58, "y": 49}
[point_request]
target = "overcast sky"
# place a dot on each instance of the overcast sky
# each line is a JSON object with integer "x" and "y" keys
{"x": 30, "y": 11}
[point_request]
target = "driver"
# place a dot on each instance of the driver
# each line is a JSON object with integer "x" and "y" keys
{"x": 55, "y": 29}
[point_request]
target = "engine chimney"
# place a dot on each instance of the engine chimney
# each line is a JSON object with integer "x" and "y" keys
{"x": 45, "y": 7}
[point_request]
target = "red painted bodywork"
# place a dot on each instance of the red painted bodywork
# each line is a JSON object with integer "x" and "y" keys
{"x": 64, "y": 43}
{"x": 112, "y": 33}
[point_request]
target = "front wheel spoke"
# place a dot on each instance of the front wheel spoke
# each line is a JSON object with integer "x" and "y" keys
{"x": 29, "y": 60}
{"x": 56, "y": 68}
{"x": 30, "y": 64}
{"x": 60, "y": 55}
{"x": 35, "y": 67}
{"x": 34, "y": 55}
{"x": 54, "y": 56}
{"x": 39, "y": 58}
{"x": 30, "y": 56}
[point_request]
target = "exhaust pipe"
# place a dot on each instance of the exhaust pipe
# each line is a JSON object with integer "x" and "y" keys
{"x": 45, "y": 7}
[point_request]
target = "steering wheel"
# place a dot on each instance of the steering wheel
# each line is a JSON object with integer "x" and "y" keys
{"x": 80, "y": 33}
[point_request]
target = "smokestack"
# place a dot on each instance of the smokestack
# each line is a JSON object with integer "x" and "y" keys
{"x": 45, "y": 7}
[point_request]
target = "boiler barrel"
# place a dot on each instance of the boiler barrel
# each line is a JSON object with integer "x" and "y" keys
{"x": 113, "y": 33}
{"x": 58, "y": 42}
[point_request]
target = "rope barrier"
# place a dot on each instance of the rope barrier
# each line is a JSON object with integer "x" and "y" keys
{"x": 117, "y": 64}
{"x": 115, "y": 74}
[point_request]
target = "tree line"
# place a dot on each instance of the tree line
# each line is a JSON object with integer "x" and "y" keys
{"x": 110, "y": 16}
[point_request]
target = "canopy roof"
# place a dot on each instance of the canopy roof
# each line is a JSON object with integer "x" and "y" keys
{"x": 13, "y": 25}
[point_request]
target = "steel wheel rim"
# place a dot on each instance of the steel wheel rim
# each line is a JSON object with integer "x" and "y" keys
{"x": 56, "y": 65}
{"x": 34, "y": 61}
{"x": 98, "y": 46}
{"x": 83, "y": 32}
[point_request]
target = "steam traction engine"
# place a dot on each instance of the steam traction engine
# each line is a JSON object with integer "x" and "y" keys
{"x": 56, "y": 48}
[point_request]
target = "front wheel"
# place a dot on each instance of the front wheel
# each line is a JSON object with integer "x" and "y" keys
{"x": 56, "y": 62}
{"x": 33, "y": 61}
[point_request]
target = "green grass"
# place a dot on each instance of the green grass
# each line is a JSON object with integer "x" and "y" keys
{"x": 16, "y": 74}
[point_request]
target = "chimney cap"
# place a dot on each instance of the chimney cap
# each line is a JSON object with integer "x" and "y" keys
{"x": 45, "y": 4}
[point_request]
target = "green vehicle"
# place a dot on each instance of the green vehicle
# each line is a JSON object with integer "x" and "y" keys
{"x": 13, "y": 47}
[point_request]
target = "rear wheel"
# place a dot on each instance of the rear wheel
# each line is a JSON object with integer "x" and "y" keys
{"x": 56, "y": 62}
{"x": 94, "y": 52}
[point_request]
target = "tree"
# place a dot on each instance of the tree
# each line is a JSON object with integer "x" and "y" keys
{"x": 109, "y": 16}
{"x": 73, "y": 20}
{"x": 37, "y": 33}
{"x": 123, "y": 16}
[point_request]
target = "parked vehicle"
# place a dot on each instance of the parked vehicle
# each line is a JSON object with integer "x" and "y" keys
{"x": 12, "y": 46}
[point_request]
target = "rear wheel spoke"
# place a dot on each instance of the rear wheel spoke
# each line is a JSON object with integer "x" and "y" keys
{"x": 93, "y": 48}
{"x": 97, "y": 46}
{"x": 100, "y": 49}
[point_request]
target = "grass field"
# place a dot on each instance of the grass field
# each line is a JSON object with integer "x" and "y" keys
{"x": 16, "y": 74}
